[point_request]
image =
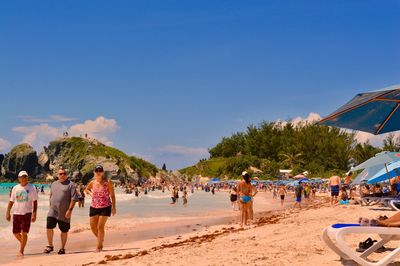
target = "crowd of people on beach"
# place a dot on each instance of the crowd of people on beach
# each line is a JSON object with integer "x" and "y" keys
{"x": 64, "y": 194}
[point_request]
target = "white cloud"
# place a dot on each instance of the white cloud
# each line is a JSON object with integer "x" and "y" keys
{"x": 142, "y": 156}
{"x": 311, "y": 118}
{"x": 176, "y": 150}
{"x": 39, "y": 135}
{"x": 376, "y": 140}
{"x": 4, "y": 144}
{"x": 49, "y": 119}
{"x": 100, "y": 128}
{"x": 361, "y": 137}
{"x": 177, "y": 156}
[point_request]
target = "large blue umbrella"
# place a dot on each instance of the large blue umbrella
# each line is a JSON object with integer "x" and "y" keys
{"x": 367, "y": 174}
{"x": 380, "y": 159}
{"x": 392, "y": 170}
{"x": 376, "y": 112}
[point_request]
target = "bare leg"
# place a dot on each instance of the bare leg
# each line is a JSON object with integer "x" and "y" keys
{"x": 64, "y": 237}
{"x": 94, "y": 220}
{"x": 101, "y": 232}
{"x": 24, "y": 239}
{"x": 250, "y": 212}
{"x": 246, "y": 213}
{"x": 50, "y": 235}
{"x": 242, "y": 214}
{"x": 18, "y": 237}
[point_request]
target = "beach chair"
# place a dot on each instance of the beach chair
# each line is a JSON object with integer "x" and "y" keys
{"x": 395, "y": 204}
{"x": 334, "y": 237}
{"x": 370, "y": 201}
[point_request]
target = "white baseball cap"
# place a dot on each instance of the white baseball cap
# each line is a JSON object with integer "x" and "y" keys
{"x": 244, "y": 173}
{"x": 22, "y": 173}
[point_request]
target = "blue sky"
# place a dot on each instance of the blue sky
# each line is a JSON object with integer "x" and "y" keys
{"x": 168, "y": 79}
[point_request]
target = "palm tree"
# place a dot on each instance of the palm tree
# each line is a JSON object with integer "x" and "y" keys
{"x": 292, "y": 159}
{"x": 391, "y": 143}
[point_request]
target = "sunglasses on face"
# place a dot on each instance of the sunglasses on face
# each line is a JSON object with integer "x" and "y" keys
{"x": 99, "y": 171}
{"x": 61, "y": 173}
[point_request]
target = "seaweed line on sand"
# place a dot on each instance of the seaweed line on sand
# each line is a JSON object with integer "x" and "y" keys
{"x": 273, "y": 217}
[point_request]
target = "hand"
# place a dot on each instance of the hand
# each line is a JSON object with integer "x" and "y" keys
{"x": 68, "y": 214}
{"x": 8, "y": 216}
{"x": 33, "y": 217}
{"x": 113, "y": 211}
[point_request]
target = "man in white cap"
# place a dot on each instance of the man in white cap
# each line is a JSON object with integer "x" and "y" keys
{"x": 24, "y": 199}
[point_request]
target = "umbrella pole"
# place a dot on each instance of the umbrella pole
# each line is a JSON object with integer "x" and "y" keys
{"x": 387, "y": 171}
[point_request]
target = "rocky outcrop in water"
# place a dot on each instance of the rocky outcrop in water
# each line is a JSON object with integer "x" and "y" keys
{"x": 21, "y": 157}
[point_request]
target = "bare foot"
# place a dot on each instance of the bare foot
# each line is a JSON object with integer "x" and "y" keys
{"x": 99, "y": 249}
{"x": 20, "y": 255}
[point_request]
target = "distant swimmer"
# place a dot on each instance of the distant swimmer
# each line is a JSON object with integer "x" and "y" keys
{"x": 282, "y": 193}
{"x": 81, "y": 196}
{"x": 184, "y": 197}
{"x": 173, "y": 194}
{"x": 233, "y": 197}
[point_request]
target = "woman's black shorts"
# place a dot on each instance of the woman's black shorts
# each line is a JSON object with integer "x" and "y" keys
{"x": 233, "y": 198}
{"x": 100, "y": 211}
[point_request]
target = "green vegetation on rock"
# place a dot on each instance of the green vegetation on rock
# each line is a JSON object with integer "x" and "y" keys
{"x": 79, "y": 156}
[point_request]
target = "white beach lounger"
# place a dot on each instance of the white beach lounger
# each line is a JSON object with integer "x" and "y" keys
{"x": 370, "y": 201}
{"x": 395, "y": 204}
{"x": 338, "y": 232}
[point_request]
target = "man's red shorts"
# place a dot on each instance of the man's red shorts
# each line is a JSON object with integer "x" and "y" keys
{"x": 21, "y": 223}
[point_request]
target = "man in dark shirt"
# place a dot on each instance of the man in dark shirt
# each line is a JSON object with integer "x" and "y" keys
{"x": 63, "y": 197}
{"x": 298, "y": 193}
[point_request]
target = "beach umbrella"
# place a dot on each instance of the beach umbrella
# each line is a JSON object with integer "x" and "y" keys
{"x": 300, "y": 176}
{"x": 380, "y": 159}
{"x": 392, "y": 170}
{"x": 376, "y": 112}
{"x": 367, "y": 174}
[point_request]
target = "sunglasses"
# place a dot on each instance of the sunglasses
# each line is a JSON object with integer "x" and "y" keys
{"x": 99, "y": 171}
{"x": 61, "y": 173}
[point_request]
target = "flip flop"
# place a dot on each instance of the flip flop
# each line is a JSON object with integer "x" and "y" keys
{"x": 48, "y": 249}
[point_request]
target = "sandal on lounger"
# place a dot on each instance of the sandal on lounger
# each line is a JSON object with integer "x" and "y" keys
{"x": 48, "y": 249}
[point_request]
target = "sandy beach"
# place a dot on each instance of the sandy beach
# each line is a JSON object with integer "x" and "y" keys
{"x": 278, "y": 237}
{"x": 127, "y": 235}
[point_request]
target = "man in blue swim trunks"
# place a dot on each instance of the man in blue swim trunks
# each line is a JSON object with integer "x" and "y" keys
{"x": 334, "y": 187}
{"x": 298, "y": 193}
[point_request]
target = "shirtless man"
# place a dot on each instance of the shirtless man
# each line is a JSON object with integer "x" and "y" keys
{"x": 347, "y": 180}
{"x": 334, "y": 188}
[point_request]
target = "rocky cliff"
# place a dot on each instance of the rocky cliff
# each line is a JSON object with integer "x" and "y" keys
{"x": 22, "y": 156}
{"x": 79, "y": 156}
